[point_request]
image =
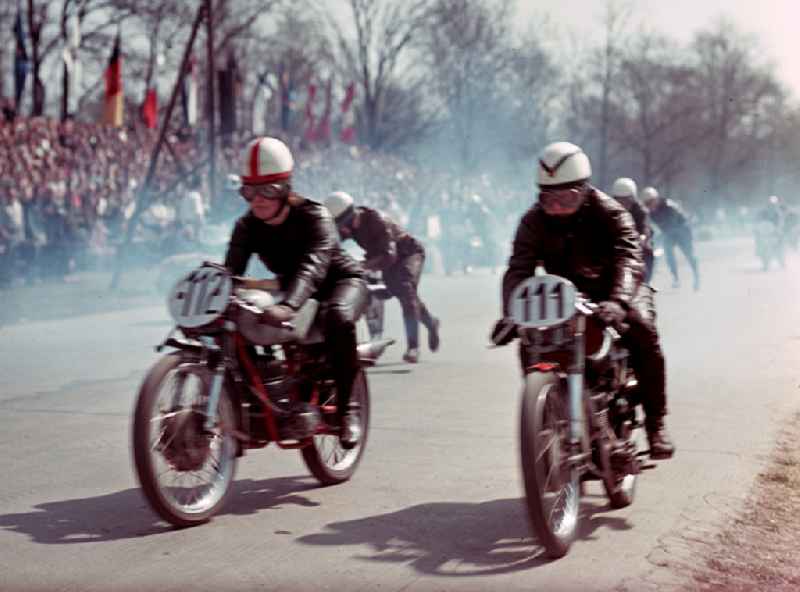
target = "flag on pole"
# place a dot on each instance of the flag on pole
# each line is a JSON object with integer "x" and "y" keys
{"x": 150, "y": 108}
{"x": 22, "y": 65}
{"x": 72, "y": 42}
{"x": 113, "y": 106}
{"x": 323, "y": 133}
{"x": 189, "y": 94}
{"x": 348, "y": 131}
{"x": 309, "y": 129}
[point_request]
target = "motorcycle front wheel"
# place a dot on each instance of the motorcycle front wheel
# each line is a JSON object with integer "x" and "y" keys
{"x": 185, "y": 471}
{"x": 552, "y": 493}
{"x": 325, "y": 457}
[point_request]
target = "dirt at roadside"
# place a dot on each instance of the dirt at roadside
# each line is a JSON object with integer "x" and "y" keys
{"x": 760, "y": 549}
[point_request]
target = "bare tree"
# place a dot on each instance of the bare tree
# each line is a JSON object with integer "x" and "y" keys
{"x": 384, "y": 30}
{"x": 659, "y": 108}
{"x": 738, "y": 90}
{"x": 299, "y": 52}
{"x": 492, "y": 90}
{"x": 591, "y": 93}
{"x": 466, "y": 47}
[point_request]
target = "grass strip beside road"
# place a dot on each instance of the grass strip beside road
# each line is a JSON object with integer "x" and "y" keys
{"x": 760, "y": 549}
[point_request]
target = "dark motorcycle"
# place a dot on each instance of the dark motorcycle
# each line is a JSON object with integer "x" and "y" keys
{"x": 232, "y": 383}
{"x": 578, "y": 410}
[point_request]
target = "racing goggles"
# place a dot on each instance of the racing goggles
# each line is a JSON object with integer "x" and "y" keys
{"x": 266, "y": 191}
{"x": 561, "y": 198}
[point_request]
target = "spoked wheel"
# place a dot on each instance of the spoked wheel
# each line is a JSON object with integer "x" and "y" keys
{"x": 185, "y": 472}
{"x": 551, "y": 483}
{"x": 325, "y": 457}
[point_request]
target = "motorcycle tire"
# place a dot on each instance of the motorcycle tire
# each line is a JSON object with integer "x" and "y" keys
{"x": 325, "y": 457}
{"x": 544, "y": 449}
{"x": 181, "y": 445}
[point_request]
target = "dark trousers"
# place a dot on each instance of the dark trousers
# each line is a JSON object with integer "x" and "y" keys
{"x": 344, "y": 304}
{"x": 646, "y": 357}
{"x": 402, "y": 280}
{"x": 649, "y": 263}
{"x": 683, "y": 240}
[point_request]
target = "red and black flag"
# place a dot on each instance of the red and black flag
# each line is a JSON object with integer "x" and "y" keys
{"x": 113, "y": 104}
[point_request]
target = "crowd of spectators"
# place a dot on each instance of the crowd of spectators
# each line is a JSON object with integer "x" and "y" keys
{"x": 68, "y": 191}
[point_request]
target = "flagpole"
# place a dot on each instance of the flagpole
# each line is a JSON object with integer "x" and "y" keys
{"x": 142, "y": 198}
{"x": 211, "y": 111}
{"x": 65, "y": 79}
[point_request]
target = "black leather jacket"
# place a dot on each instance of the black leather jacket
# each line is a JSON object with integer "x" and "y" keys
{"x": 597, "y": 248}
{"x": 669, "y": 217}
{"x": 642, "y": 221}
{"x": 304, "y": 252}
{"x": 383, "y": 239}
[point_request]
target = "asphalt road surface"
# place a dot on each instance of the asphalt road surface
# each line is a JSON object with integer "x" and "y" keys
{"x": 437, "y": 501}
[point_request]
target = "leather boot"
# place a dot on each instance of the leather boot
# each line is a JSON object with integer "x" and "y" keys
{"x": 661, "y": 446}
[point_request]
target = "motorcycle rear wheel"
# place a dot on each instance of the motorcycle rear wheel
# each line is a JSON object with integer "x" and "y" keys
{"x": 552, "y": 492}
{"x": 325, "y": 457}
{"x": 185, "y": 473}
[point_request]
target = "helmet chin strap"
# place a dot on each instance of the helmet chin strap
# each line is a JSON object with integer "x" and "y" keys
{"x": 277, "y": 217}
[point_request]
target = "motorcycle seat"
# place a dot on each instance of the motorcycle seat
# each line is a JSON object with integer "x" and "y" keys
{"x": 259, "y": 333}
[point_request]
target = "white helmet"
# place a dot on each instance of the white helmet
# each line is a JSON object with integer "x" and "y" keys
{"x": 339, "y": 203}
{"x": 266, "y": 160}
{"x": 624, "y": 187}
{"x": 562, "y": 162}
{"x": 649, "y": 193}
{"x": 774, "y": 200}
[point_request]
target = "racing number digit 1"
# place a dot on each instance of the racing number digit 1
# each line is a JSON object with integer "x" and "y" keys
{"x": 186, "y": 295}
{"x": 525, "y": 296}
{"x": 528, "y": 297}
{"x": 558, "y": 294}
{"x": 543, "y": 294}
{"x": 215, "y": 292}
{"x": 200, "y": 301}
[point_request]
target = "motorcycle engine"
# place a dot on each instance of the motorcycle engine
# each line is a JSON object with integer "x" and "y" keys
{"x": 301, "y": 423}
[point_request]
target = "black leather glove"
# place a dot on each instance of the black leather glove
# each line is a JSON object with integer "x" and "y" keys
{"x": 611, "y": 312}
{"x": 276, "y": 315}
{"x": 504, "y": 332}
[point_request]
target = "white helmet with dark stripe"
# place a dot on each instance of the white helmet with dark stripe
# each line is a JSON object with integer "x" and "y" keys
{"x": 266, "y": 160}
{"x": 340, "y": 204}
{"x": 624, "y": 187}
{"x": 562, "y": 163}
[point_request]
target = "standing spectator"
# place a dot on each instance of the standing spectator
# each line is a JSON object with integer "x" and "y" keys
{"x": 35, "y": 230}
{"x": 12, "y": 234}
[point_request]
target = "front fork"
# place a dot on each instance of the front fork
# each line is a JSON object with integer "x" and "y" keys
{"x": 218, "y": 376}
{"x": 575, "y": 387}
